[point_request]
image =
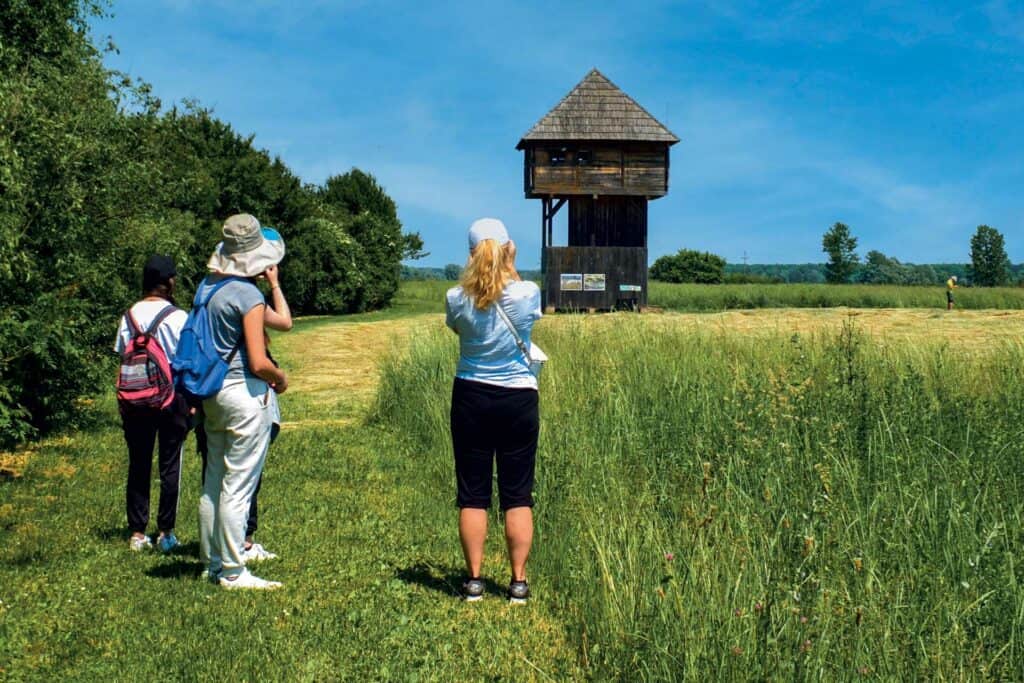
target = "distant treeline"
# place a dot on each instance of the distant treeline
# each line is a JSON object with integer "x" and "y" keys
{"x": 451, "y": 272}
{"x": 892, "y": 273}
{"x": 871, "y": 272}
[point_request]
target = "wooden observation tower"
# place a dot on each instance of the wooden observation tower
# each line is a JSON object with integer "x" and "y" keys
{"x": 602, "y": 154}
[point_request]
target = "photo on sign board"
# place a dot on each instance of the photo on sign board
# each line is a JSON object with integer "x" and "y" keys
{"x": 593, "y": 282}
{"x": 572, "y": 282}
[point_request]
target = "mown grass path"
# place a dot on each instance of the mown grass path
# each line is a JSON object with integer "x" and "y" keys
{"x": 369, "y": 555}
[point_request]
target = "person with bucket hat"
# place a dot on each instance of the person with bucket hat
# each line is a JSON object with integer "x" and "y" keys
{"x": 277, "y": 316}
{"x": 149, "y": 331}
{"x": 239, "y": 417}
{"x": 494, "y": 410}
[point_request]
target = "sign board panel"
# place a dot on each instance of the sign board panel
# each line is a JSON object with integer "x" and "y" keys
{"x": 593, "y": 282}
{"x": 572, "y": 282}
{"x": 630, "y": 288}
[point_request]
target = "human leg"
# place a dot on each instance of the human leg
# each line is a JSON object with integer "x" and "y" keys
{"x": 172, "y": 432}
{"x": 474, "y": 457}
{"x": 472, "y": 535}
{"x": 516, "y": 456}
{"x": 140, "y": 435}
{"x": 252, "y": 521}
{"x": 215, "y": 440}
{"x": 245, "y": 404}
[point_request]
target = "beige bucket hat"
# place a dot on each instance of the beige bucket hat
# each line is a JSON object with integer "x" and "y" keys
{"x": 247, "y": 249}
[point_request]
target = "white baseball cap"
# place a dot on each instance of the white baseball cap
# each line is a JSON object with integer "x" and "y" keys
{"x": 487, "y": 229}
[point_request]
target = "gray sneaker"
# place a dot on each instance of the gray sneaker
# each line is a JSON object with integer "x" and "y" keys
{"x": 518, "y": 592}
{"x": 473, "y": 589}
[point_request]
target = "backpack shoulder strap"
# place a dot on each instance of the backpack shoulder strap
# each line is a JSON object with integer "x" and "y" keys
{"x": 160, "y": 317}
{"x": 133, "y": 327}
{"x": 213, "y": 290}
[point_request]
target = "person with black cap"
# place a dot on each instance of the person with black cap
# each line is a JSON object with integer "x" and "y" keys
{"x": 157, "y": 315}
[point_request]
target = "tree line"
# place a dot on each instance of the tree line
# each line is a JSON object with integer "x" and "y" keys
{"x": 96, "y": 175}
{"x": 989, "y": 265}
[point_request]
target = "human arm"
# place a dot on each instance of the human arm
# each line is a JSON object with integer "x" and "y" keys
{"x": 256, "y": 351}
{"x": 279, "y": 316}
{"x": 449, "y": 314}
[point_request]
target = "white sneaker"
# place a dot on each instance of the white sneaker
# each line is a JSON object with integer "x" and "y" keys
{"x": 249, "y": 581}
{"x": 138, "y": 544}
{"x": 257, "y": 553}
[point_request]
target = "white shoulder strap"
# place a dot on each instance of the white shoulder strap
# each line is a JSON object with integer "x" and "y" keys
{"x": 512, "y": 328}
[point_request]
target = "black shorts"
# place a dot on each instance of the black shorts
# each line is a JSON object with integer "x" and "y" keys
{"x": 489, "y": 421}
{"x": 949, "y": 296}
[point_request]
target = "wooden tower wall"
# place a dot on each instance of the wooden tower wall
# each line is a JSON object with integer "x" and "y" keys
{"x": 614, "y": 221}
{"x": 563, "y": 169}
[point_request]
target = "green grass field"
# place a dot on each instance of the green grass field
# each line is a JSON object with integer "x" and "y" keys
{"x": 693, "y": 298}
{"x": 812, "y": 499}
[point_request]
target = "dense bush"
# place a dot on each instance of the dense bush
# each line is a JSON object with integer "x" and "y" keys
{"x": 688, "y": 265}
{"x": 879, "y": 269}
{"x": 95, "y": 175}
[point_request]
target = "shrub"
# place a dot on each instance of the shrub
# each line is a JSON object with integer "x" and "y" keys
{"x": 688, "y": 265}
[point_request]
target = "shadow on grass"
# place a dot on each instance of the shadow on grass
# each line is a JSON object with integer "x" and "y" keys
{"x": 175, "y": 570}
{"x": 447, "y": 580}
{"x": 113, "y": 533}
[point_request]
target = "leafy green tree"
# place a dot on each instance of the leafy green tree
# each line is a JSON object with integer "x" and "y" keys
{"x": 688, "y": 265}
{"x": 452, "y": 271}
{"x": 95, "y": 176}
{"x": 990, "y": 266}
{"x": 841, "y": 247}
{"x": 323, "y": 273}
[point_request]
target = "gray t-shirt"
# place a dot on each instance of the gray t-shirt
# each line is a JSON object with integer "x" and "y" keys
{"x": 226, "y": 309}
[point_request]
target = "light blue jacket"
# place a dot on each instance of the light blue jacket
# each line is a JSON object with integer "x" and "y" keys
{"x": 487, "y": 350}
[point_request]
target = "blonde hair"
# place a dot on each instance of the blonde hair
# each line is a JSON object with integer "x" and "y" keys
{"x": 490, "y": 267}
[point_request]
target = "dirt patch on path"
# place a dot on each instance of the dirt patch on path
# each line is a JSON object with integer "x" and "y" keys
{"x": 336, "y": 362}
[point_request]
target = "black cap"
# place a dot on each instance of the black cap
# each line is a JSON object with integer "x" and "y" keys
{"x": 157, "y": 271}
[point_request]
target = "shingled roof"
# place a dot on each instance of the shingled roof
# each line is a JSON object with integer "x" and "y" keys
{"x": 597, "y": 110}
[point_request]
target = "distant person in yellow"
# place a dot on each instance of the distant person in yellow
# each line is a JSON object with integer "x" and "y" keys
{"x": 950, "y": 286}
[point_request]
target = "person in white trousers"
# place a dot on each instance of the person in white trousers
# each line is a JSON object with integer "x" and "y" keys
{"x": 239, "y": 417}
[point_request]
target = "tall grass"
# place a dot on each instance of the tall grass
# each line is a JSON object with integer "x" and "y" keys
{"x": 711, "y": 506}
{"x": 423, "y": 295}
{"x": 689, "y": 297}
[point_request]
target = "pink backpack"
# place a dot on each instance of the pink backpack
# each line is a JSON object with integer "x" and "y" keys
{"x": 144, "y": 381}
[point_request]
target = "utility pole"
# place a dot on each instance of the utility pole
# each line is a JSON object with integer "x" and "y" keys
{"x": 746, "y": 268}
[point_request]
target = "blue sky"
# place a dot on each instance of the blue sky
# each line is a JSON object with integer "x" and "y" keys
{"x": 902, "y": 120}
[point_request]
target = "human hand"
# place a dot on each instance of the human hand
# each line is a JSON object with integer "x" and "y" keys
{"x": 271, "y": 274}
{"x": 281, "y": 386}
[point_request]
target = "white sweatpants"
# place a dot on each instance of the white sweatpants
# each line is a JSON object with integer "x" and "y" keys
{"x": 237, "y": 422}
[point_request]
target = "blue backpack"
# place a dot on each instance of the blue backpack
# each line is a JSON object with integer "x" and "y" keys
{"x": 199, "y": 370}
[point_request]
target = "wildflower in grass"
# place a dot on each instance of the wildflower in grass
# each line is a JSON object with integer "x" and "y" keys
{"x": 758, "y": 607}
{"x": 863, "y": 670}
{"x": 737, "y": 612}
{"x": 858, "y": 564}
{"x": 669, "y": 557}
{"x": 737, "y": 650}
{"x": 808, "y": 545}
{"x": 803, "y": 620}
{"x": 805, "y": 646}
